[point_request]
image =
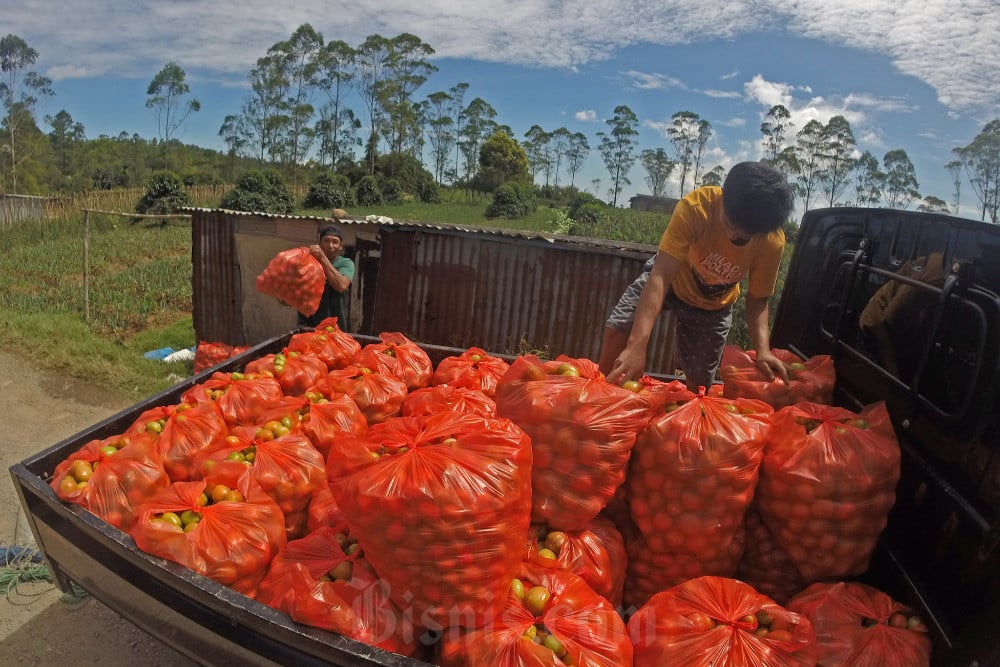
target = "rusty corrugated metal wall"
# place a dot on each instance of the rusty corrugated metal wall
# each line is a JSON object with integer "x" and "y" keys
{"x": 215, "y": 278}
{"x": 509, "y": 295}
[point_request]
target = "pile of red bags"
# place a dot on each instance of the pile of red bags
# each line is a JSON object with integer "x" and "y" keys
{"x": 809, "y": 379}
{"x": 208, "y": 354}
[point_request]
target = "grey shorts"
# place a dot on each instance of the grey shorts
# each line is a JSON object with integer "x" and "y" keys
{"x": 701, "y": 334}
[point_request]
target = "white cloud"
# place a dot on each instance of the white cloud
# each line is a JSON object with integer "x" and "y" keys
{"x": 734, "y": 122}
{"x": 651, "y": 80}
{"x": 586, "y": 116}
{"x": 721, "y": 94}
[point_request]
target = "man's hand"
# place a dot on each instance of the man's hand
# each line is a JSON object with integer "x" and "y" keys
{"x": 317, "y": 252}
{"x": 771, "y": 366}
{"x": 629, "y": 365}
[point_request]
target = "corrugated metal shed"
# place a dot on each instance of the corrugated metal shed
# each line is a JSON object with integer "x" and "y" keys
{"x": 455, "y": 285}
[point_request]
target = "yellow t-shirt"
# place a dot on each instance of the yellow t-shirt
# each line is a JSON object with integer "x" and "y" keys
{"x": 711, "y": 266}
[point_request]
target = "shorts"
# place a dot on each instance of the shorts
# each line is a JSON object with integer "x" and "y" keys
{"x": 701, "y": 334}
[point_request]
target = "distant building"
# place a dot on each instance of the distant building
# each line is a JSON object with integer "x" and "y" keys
{"x": 650, "y": 203}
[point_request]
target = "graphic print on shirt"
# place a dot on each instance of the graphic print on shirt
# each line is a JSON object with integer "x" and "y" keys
{"x": 716, "y": 265}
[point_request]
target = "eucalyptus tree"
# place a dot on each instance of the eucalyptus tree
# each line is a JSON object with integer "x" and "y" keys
{"x": 20, "y": 89}
{"x": 372, "y": 61}
{"x": 777, "y": 123}
{"x": 441, "y": 131}
{"x": 954, "y": 169}
{"x": 900, "y": 179}
{"x": 869, "y": 180}
{"x": 658, "y": 166}
{"x": 808, "y": 148}
{"x": 618, "y": 148}
{"x": 685, "y": 133}
{"x": 406, "y": 69}
{"x": 66, "y": 135}
{"x": 166, "y": 96}
{"x": 300, "y": 59}
{"x": 838, "y": 145}
{"x": 478, "y": 124}
{"x": 981, "y": 161}
{"x": 714, "y": 176}
{"x": 457, "y": 111}
{"x": 932, "y": 204}
{"x": 337, "y": 125}
{"x": 579, "y": 149}
{"x": 561, "y": 139}
{"x": 701, "y": 143}
{"x": 537, "y": 146}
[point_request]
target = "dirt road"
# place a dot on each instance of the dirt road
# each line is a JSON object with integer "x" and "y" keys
{"x": 37, "y": 627}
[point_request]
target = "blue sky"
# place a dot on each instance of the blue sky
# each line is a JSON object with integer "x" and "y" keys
{"x": 921, "y": 75}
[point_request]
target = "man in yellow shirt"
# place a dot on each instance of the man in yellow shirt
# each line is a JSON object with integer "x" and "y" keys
{"x": 715, "y": 237}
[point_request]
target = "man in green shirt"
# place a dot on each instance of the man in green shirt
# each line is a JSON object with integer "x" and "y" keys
{"x": 339, "y": 272}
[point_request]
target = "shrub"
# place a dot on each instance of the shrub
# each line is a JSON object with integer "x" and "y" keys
{"x": 513, "y": 199}
{"x": 165, "y": 193}
{"x": 429, "y": 192}
{"x": 260, "y": 191}
{"x": 329, "y": 191}
{"x": 367, "y": 192}
{"x": 585, "y": 207}
{"x": 392, "y": 192}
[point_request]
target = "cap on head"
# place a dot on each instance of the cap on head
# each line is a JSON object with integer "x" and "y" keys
{"x": 331, "y": 230}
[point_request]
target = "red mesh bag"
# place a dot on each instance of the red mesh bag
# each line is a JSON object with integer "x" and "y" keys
{"x": 209, "y": 354}
{"x": 328, "y": 343}
{"x": 287, "y": 467}
{"x": 809, "y": 379}
{"x": 323, "y": 581}
{"x": 378, "y": 395}
{"x": 765, "y": 565}
{"x": 579, "y": 627}
{"x": 441, "y": 506}
{"x": 693, "y": 474}
{"x": 181, "y": 431}
{"x": 719, "y": 621}
{"x": 295, "y": 278}
{"x": 240, "y": 397}
{"x": 582, "y": 431}
{"x": 231, "y": 542}
{"x": 294, "y": 372}
{"x": 111, "y": 477}
{"x": 860, "y": 626}
{"x": 327, "y": 419}
{"x": 429, "y": 400}
{"x": 473, "y": 369}
{"x": 596, "y": 554}
{"x": 323, "y": 510}
{"x": 827, "y": 483}
{"x": 414, "y": 366}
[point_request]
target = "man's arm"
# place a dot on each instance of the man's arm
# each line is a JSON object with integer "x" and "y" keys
{"x": 334, "y": 278}
{"x": 631, "y": 363}
{"x": 758, "y": 316}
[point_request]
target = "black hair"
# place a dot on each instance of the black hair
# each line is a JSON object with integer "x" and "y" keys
{"x": 756, "y": 197}
{"x": 331, "y": 230}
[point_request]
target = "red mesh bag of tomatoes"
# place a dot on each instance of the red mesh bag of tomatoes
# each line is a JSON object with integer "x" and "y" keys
{"x": 474, "y": 369}
{"x": 719, "y": 621}
{"x": 582, "y": 430}
{"x": 295, "y": 278}
{"x": 294, "y": 372}
{"x": 112, "y": 476}
{"x": 414, "y": 368}
{"x": 284, "y": 463}
{"x": 223, "y": 527}
{"x": 181, "y": 431}
{"x": 240, "y": 397}
{"x": 209, "y": 354}
{"x": 429, "y": 400}
{"x": 550, "y": 618}
{"x": 328, "y": 343}
{"x": 661, "y": 394}
{"x": 327, "y": 419}
{"x": 596, "y": 554}
{"x": 440, "y": 504}
{"x": 765, "y": 565}
{"x": 323, "y": 510}
{"x": 324, "y": 581}
{"x": 860, "y": 626}
{"x": 827, "y": 483}
{"x": 693, "y": 474}
{"x": 809, "y": 379}
{"x": 378, "y": 395}
{"x": 648, "y": 572}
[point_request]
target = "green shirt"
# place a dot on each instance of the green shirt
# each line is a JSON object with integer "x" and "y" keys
{"x": 333, "y": 303}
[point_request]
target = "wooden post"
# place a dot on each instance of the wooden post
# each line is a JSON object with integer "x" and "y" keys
{"x": 86, "y": 266}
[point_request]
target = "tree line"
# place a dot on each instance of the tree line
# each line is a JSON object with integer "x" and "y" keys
{"x": 315, "y": 105}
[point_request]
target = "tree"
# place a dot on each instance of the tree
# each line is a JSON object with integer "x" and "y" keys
{"x": 337, "y": 126}
{"x": 300, "y": 61}
{"x": 837, "y": 146}
{"x": 868, "y": 180}
{"x": 808, "y": 151}
{"x": 618, "y": 149}
{"x": 701, "y": 142}
{"x": 166, "y": 93}
{"x": 714, "y": 176}
{"x": 684, "y": 133}
{"x": 981, "y": 160}
{"x": 658, "y": 167}
{"x": 932, "y": 204}
{"x": 65, "y": 135}
{"x": 777, "y": 123}
{"x": 501, "y": 159}
{"x": 477, "y": 124}
{"x": 537, "y": 148}
{"x": 20, "y": 88}
{"x": 560, "y": 141}
{"x": 441, "y": 131}
{"x": 456, "y": 111}
{"x": 372, "y": 58}
{"x": 900, "y": 179}
{"x": 955, "y": 171}
{"x": 577, "y": 152}
{"x": 406, "y": 69}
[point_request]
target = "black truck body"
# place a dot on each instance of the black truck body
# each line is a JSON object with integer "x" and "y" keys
{"x": 937, "y": 367}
